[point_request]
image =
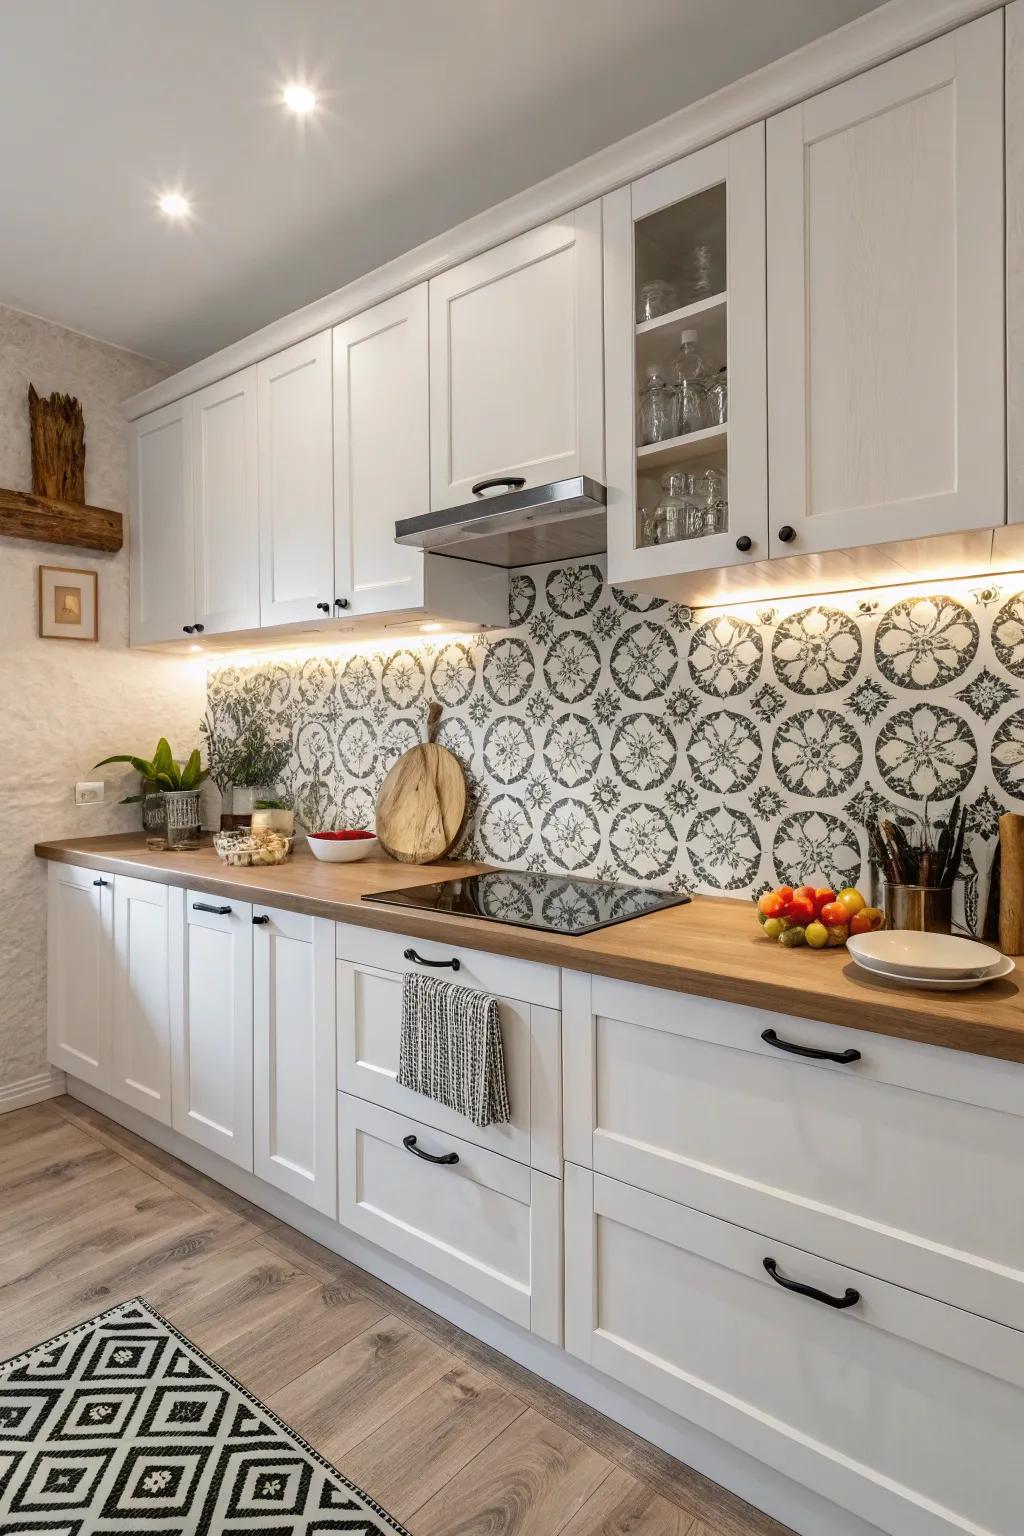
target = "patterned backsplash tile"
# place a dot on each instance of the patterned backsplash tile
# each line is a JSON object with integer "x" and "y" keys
{"x": 610, "y": 734}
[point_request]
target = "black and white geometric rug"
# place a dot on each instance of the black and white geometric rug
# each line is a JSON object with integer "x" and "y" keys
{"x": 122, "y": 1426}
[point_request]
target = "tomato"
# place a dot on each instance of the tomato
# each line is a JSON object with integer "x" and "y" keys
{"x": 792, "y": 937}
{"x": 771, "y": 904}
{"x": 805, "y": 890}
{"x": 816, "y": 935}
{"x": 867, "y": 920}
{"x": 786, "y": 892}
{"x": 801, "y": 909}
{"x": 822, "y": 896}
{"x": 838, "y": 933}
{"x": 851, "y": 899}
{"x": 832, "y": 913}
{"x": 773, "y": 926}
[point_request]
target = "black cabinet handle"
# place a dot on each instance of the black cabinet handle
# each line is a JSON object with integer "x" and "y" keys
{"x": 341, "y": 602}
{"x": 261, "y": 918}
{"x": 204, "y": 906}
{"x": 409, "y": 1143}
{"x": 324, "y": 607}
{"x": 199, "y": 628}
{"x": 849, "y": 1298}
{"x": 188, "y": 629}
{"x": 787, "y": 534}
{"x": 744, "y": 542}
{"x": 101, "y": 882}
{"x": 510, "y": 482}
{"x": 438, "y": 965}
{"x": 843, "y": 1057}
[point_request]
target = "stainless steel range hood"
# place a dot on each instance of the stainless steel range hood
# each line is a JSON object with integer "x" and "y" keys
{"x": 521, "y": 527}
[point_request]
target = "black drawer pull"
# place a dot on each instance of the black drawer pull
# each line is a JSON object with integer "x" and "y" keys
{"x": 203, "y": 906}
{"x": 510, "y": 482}
{"x": 409, "y": 1143}
{"x": 101, "y": 882}
{"x": 843, "y": 1057}
{"x": 261, "y": 918}
{"x": 849, "y": 1298}
{"x": 438, "y": 965}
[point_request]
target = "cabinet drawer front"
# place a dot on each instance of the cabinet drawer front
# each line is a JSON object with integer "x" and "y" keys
{"x": 499, "y": 974}
{"x": 369, "y": 1034}
{"x": 899, "y": 1408}
{"x": 485, "y": 1225}
{"x": 875, "y": 1163}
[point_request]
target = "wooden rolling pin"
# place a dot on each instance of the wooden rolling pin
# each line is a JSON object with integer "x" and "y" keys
{"x": 1011, "y": 884}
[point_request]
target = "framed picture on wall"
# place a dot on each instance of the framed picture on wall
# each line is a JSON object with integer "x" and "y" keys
{"x": 68, "y": 604}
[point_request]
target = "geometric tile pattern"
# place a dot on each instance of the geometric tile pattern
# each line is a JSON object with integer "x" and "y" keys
{"x": 612, "y": 734}
{"x": 122, "y": 1425}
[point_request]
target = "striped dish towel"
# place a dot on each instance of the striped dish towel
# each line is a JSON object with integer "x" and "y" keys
{"x": 451, "y": 1049}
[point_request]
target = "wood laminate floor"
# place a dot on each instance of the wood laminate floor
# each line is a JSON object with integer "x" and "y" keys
{"x": 449, "y": 1435}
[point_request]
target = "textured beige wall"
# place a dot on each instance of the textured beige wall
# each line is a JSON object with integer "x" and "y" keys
{"x": 64, "y": 705}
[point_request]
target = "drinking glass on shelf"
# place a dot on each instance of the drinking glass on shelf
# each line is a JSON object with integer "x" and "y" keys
{"x": 700, "y": 275}
{"x": 710, "y": 489}
{"x": 656, "y": 298}
{"x": 718, "y": 399}
{"x": 658, "y": 408}
{"x": 676, "y": 515}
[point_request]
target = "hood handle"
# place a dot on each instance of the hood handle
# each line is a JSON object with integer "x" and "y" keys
{"x": 510, "y": 482}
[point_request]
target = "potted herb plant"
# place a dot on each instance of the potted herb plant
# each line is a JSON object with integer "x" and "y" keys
{"x": 246, "y": 770}
{"x": 169, "y": 795}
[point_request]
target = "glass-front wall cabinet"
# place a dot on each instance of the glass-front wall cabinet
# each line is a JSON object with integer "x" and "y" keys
{"x": 686, "y": 368}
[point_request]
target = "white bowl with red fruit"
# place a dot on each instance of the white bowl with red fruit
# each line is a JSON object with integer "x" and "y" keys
{"x": 343, "y": 847}
{"x": 815, "y": 916}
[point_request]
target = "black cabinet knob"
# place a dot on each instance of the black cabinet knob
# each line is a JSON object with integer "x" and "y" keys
{"x": 199, "y": 628}
{"x": 341, "y": 602}
{"x": 188, "y": 629}
{"x": 787, "y": 534}
{"x": 744, "y": 542}
{"x": 261, "y": 918}
{"x": 324, "y": 607}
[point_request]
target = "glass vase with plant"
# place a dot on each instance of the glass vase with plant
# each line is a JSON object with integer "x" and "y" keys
{"x": 161, "y": 775}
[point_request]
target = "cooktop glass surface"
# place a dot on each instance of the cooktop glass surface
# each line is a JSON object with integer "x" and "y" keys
{"x": 554, "y": 903}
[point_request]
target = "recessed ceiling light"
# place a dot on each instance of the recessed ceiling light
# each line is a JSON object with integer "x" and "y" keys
{"x": 174, "y": 204}
{"x": 299, "y": 98}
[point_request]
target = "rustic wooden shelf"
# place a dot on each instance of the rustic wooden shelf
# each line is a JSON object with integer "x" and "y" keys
{"x": 24, "y": 516}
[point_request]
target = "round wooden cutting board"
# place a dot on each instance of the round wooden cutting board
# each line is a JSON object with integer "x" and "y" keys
{"x": 422, "y": 805}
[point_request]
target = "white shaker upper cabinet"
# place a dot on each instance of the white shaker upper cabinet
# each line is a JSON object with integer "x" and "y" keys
{"x": 381, "y": 452}
{"x": 516, "y": 387}
{"x": 226, "y": 511}
{"x": 696, "y": 228}
{"x": 885, "y": 301}
{"x": 162, "y": 540}
{"x": 296, "y": 491}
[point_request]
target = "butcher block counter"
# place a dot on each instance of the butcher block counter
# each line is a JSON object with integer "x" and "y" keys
{"x": 711, "y": 947}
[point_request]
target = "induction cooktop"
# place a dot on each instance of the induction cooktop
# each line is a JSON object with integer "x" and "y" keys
{"x": 554, "y": 903}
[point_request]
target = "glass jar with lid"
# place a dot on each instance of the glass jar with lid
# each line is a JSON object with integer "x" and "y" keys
{"x": 689, "y": 380}
{"x": 657, "y": 416}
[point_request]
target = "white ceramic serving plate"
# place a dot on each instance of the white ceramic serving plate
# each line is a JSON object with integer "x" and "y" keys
{"x": 937, "y": 955}
{"x": 339, "y": 851}
{"x": 1003, "y": 966}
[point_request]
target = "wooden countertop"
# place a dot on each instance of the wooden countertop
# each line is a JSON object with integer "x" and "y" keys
{"x": 711, "y": 947}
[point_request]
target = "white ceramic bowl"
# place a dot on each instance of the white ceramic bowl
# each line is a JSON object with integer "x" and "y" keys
{"x": 1003, "y": 966}
{"x": 936, "y": 955}
{"x": 338, "y": 850}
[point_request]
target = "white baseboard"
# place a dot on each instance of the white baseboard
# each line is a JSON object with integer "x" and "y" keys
{"x": 41, "y": 1085}
{"x": 805, "y": 1511}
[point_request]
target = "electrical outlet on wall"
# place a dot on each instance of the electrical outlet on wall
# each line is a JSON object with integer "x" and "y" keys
{"x": 89, "y": 792}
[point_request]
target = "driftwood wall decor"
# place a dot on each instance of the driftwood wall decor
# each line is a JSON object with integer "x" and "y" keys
{"x": 58, "y": 446}
{"x": 55, "y": 511}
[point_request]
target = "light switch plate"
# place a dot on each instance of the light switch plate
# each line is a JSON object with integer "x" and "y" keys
{"x": 89, "y": 792}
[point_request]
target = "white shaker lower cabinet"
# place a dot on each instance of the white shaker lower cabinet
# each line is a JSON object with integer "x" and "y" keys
{"x": 294, "y": 1095}
{"x": 485, "y": 1225}
{"x": 902, "y": 1410}
{"x": 212, "y": 1026}
{"x": 80, "y": 924}
{"x": 140, "y": 1055}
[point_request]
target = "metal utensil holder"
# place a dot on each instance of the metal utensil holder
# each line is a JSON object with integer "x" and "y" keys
{"x": 920, "y": 908}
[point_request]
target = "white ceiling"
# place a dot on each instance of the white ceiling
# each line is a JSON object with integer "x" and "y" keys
{"x": 431, "y": 111}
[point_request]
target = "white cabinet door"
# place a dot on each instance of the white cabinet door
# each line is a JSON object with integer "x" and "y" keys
{"x": 79, "y": 928}
{"x": 885, "y": 301}
{"x": 296, "y": 491}
{"x": 381, "y": 452}
{"x": 162, "y": 543}
{"x": 140, "y": 1021}
{"x": 907, "y": 1412}
{"x": 516, "y": 385}
{"x": 1015, "y": 258}
{"x": 294, "y": 1092}
{"x": 226, "y": 510}
{"x": 212, "y": 1028}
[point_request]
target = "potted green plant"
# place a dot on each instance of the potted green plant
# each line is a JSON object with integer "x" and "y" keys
{"x": 169, "y": 795}
{"x": 246, "y": 770}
